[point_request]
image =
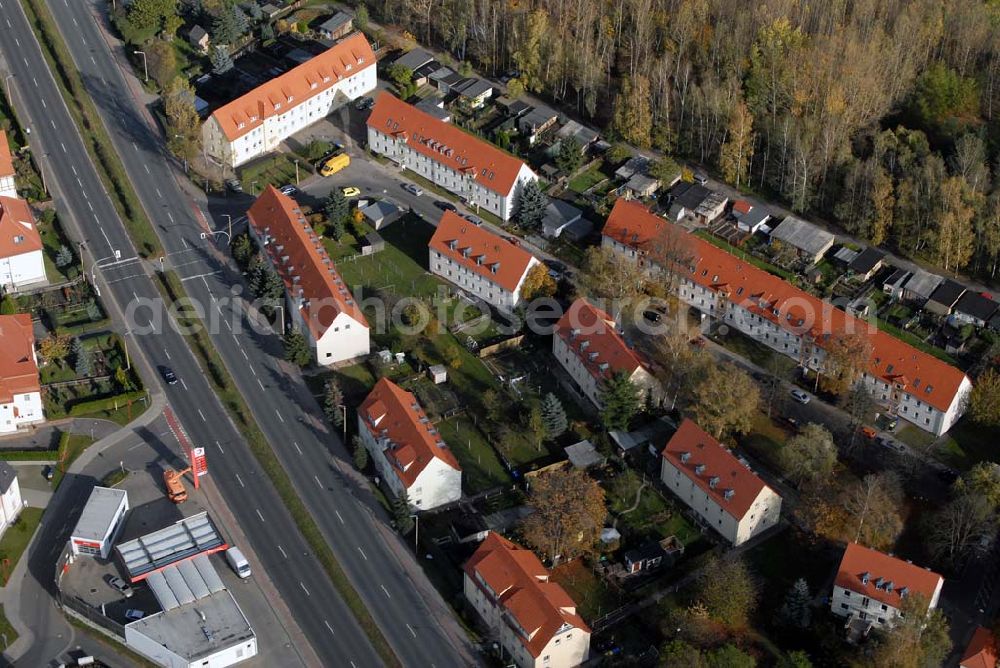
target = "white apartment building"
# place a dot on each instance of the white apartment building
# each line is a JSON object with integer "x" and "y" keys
{"x": 587, "y": 344}
{"x": 254, "y": 124}
{"x": 475, "y": 170}
{"x": 909, "y": 383}
{"x": 407, "y": 449}
{"x": 317, "y": 301}
{"x": 8, "y": 188}
{"x": 21, "y": 256}
{"x": 870, "y": 586}
{"x": 20, "y": 389}
{"x": 721, "y": 489}
{"x": 532, "y": 617}
{"x": 10, "y": 496}
{"x": 483, "y": 264}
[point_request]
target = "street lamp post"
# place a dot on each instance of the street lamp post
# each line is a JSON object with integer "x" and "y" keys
{"x": 145, "y": 69}
{"x": 282, "y": 307}
{"x": 343, "y": 408}
{"x": 416, "y": 533}
{"x": 6, "y": 84}
{"x": 253, "y": 188}
{"x": 296, "y": 172}
{"x": 230, "y": 219}
{"x": 128, "y": 360}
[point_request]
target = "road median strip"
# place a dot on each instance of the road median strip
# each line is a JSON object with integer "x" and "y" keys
{"x": 92, "y": 130}
{"x": 225, "y": 389}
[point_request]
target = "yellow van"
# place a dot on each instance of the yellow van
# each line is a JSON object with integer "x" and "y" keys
{"x": 335, "y": 164}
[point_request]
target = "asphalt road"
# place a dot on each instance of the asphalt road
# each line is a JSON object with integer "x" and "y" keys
{"x": 82, "y": 200}
{"x": 404, "y": 604}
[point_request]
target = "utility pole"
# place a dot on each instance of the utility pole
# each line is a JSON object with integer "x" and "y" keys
{"x": 145, "y": 70}
{"x": 230, "y": 219}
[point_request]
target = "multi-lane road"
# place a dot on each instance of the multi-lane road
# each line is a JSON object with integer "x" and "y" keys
{"x": 411, "y": 615}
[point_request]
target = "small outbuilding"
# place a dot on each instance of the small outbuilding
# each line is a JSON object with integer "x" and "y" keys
{"x": 583, "y": 455}
{"x": 339, "y": 25}
{"x": 373, "y": 243}
{"x": 381, "y": 213}
{"x": 198, "y": 38}
{"x": 438, "y": 373}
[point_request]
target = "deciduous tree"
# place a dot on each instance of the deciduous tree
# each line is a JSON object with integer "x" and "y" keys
{"x": 847, "y": 357}
{"x": 957, "y": 530}
{"x": 633, "y": 117}
{"x": 679, "y": 654}
{"x": 736, "y": 152}
{"x": 535, "y": 427}
{"x": 147, "y": 16}
{"x": 568, "y": 515}
{"x": 981, "y": 480}
{"x": 538, "y": 283}
{"x": 54, "y": 348}
{"x": 183, "y": 124}
{"x": 917, "y": 639}
{"x": 873, "y": 506}
{"x": 955, "y": 235}
{"x": 360, "y": 453}
{"x": 810, "y": 455}
{"x": 728, "y": 590}
{"x": 984, "y": 402}
{"x": 725, "y": 400}
{"x": 729, "y": 656}
{"x": 162, "y": 62}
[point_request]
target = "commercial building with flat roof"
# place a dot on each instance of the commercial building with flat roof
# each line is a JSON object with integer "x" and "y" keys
{"x": 100, "y": 522}
{"x": 185, "y": 539}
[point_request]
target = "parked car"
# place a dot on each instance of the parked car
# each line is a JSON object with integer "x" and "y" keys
{"x": 475, "y": 220}
{"x": 120, "y": 585}
{"x": 289, "y": 190}
{"x": 651, "y": 316}
{"x": 701, "y": 179}
{"x": 133, "y": 613}
{"x": 412, "y": 189}
{"x": 363, "y": 103}
{"x": 234, "y": 185}
{"x": 49, "y": 472}
{"x": 869, "y": 433}
{"x": 351, "y": 191}
{"x": 445, "y": 206}
{"x": 169, "y": 377}
{"x": 800, "y": 396}
{"x": 698, "y": 342}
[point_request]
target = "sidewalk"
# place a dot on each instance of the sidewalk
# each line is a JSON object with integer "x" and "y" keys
{"x": 46, "y": 435}
{"x": 11, "y": 596}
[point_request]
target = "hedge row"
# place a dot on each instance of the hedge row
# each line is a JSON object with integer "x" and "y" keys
{"x": 105, "y": 404}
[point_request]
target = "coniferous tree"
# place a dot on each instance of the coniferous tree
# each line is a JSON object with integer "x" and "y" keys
{"x": 332, "y": 402}
{"x": 297, "y": 349}
{"x": 401, "y": 513}
{"x": 64, "y": 257}
{"x": 82, "y": 359}
{"x": 531, "y": 206}
{"x": 222, "y": 62}
{"x": 553, "y": 416}
{"x": 620, "y": 400}
{"x": 795, "y": 611}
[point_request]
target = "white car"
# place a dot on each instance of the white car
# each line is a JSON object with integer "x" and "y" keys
{"x": 410, "y": 188}
{"x": 800, "y": 396}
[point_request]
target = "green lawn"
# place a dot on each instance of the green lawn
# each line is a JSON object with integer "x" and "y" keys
{"x": 765, "y": 441}
{"x": 481, "y": 468}
{"x": 965, "y": 444}
{"x": 16, "y": 538}
{"x": 6, "y": 629}
{"x": 587, "y": 179}
{"x": 592, "y": 596}
{"x": 654, "y": 518}
{"x": 756, "y": 352}
{"x": 71, "y": 446}
{"x": 277, "y": 170}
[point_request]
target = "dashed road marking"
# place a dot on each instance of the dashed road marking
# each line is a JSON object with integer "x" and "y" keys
{"x": 328, "y": 625}
{"x": 240, "y": 480}
{"x": 280, "y": 549}
{"x": 260, "y": 383}
{"x": 279, "y": 416}
{"x": 183, "y": 384}
{"x": 259, "y": 515}
{"x": 362, "y": 553}
{"x": 304, "y": 588}
{"x": 296, "y": 444}
{"x": 202, "y": 416}
{"x": 412, "y": 632}
{"x": 316, "y": 478}
{"x": 219, "y": 445}
{"x": 385, "y": 591}
{"x": 338, "y": 516}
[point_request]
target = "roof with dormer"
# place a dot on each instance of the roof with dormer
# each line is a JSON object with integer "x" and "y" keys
{"x": 514, "y": 578}
{"x": 481, "y": 251}
{"x": 714, "y": 469}
{"x": 392, "y": 413}
{"x": 593, "y": 337}
{"x": 883, "y": 577}
{"x": 18, "y": 368}
{"x": 299, "y": 84}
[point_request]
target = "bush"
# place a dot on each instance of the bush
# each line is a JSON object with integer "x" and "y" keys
{"x": 106, "y": 404}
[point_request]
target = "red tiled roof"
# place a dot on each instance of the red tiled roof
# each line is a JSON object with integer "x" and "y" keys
{"x": 18, "y": 232}
{"x": 484, "y": 251}
{"x": 596, "y": 341}
{"x": 393, "y": 413}
{"x": 318, "y": 281}
{"x": 742, "y": 206}
{"x": 704, "y": 451}
{"x": 6, "y": 161}
{"x": 445, "y": 144}
{"x": 922, "y": 375}
{"x": 340, "y": 61}
{"x": 882, "y": 569}
{"x": 982, "y": 650}
{"x": 520, "y": 583}
{"x": 18, "y": 370}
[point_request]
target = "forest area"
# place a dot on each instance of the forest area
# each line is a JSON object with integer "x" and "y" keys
{"x": 877, "y": 115}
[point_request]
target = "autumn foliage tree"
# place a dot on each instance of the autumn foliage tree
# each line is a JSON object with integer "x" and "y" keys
{"x": 724, "y": 401}
{"x": 568, "y": 513}
{"x": 918, "y": 637}
{"x": 847, "y": 356}
{"x": 810, "y": 455}
{"x": 984, "y": 402}
{"x": 538, "y": 283}
{"x": 54, "y": 347}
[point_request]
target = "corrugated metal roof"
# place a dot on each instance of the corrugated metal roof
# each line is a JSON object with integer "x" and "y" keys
{"x": 185, "y": 583}
{"x": 182, "y": 540}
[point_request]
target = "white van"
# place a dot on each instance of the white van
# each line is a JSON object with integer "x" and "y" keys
{"x": 238, "y": 562}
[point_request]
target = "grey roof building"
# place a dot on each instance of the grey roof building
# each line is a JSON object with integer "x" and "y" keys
{"x": 689, "y": 195}
{"x": 809, "y": 240}
{"x": 944, "y": 298}
{"x": 974, "y": 308}
{"x": 563, "y": 218}
{"x": 336, "y": 26}
{"x": 414, "y": 59}
{"x": 921, "y": 285}
{"x": 867, "y": 262}
{"x": 583, "y": 135}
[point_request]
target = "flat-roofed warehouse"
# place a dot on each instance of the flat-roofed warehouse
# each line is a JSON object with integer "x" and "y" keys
{"x": 101, "y": 520}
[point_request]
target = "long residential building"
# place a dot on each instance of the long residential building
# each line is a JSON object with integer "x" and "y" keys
{"x": 870, "y": 587}
{"x": 586, "y": 343}
{"x": 717, "y": 486}
{"x": 908, "y": 383}
{"x": 8, "y": 188}
{"x": 20, "y": 388}
{"x": 475, "y": 170}
{"x": 478, "y": 261}
{"x": 255, "y": 123}
{"x": 532, "y": 617}
{"x": 317, "y": 300}
{"x": 407, "y": 449}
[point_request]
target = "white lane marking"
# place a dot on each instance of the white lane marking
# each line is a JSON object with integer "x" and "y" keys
{"x": 73, "y": 167}
{"x": 226, "y": 322}
{"x": 261, "y": 384}
{"x": 184, "y": 384}
{"x": 184, "y": 241}
{"x": 42, "y": 100}
{"x": 316, "y": 478}
{"x": 63, "y": 147}
{"x": 75, "y": 23}
{"x": 296, "y": 444}
{"x": 219, "y": 445}
{"x": 102, "y": 229}
{"x": 304, "y": 588}
{"x": 170, "y": 216}
{"x": 146, "y": 167}
{"x": 328, "y": 625}
{"x": 90, "y": 206}
{"x": 280, "y": 549}
{"x": 92, "y": 59}
{"x": 134, "y": 147}
{"x": 52, "y": 123}
{"x": 338, "y": 516}
{"x": 202, "y": 416}
{"x": 240, "y": 480}
{"x": 35, "y": 81}
{"x": 244, "y": 353}
{"x": 385, "y": 591}
{"x": 159, "y": 194}
{"x": 167, "y": 353}
{"x": 254, "y": 372}
{"x": 412, "y": 632}
{"x": 137, "y": 445}
{"x": 8, "y": 24}
{"x": 279, "y": 416}
{"x": 362, "y": 553}
{"x": 259, "y": 515}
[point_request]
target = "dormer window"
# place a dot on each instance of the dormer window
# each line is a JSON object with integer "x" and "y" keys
{"x": 290, "y": 98}
{"x": 699, "y": 469}
{"x": 713, "y": 481}
{"x": 685, "y": 456}
{"x": 313, "y": 85}
{"x": 277, "y": 105}
{"x": 326, "y": 79}
{"x": 240, "y": 125}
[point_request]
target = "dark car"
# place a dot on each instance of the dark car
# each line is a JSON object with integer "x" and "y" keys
{"x": 445, "y": 206}
{"x": 234, "y": 185}
{"x": 169, "y": 377}
{"x": 651, "y": 316}
{"x": 49, "y": 472}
